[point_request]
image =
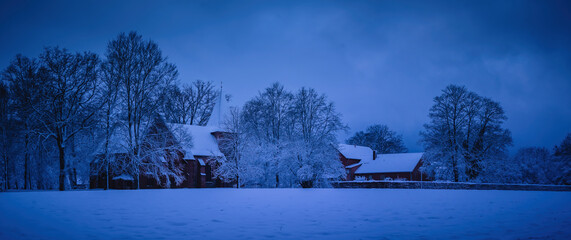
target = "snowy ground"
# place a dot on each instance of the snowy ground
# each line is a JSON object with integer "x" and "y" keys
{"x": 286, "y": 214}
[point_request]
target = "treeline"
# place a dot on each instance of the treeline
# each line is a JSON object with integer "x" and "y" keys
{"x": 58, "y": 107}
{"x": 465, "y": 141}
{"x": 282, "y": 139}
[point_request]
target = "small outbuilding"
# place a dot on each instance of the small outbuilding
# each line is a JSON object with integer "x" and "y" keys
{"x": 396, "y": 166}
{"x": 352, "y": 156}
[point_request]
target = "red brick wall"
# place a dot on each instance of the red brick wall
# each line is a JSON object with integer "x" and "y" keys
{"x": 347, "y": 161}
{"x": 415, "y": 175}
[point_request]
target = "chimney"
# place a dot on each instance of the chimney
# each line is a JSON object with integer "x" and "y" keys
{"x": 374, "y": 154}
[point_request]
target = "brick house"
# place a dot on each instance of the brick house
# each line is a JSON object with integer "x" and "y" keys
{"x": 362, "y": 162}
{"x": 193, "y": 150}
{"x": 352, "y": 156}
{"x": 396, "y": 166}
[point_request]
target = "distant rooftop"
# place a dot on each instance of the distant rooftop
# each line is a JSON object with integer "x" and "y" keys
{"x": 356, "y": 152}
{"x": 203, "y": 142}
{"x": 386, "y": 163}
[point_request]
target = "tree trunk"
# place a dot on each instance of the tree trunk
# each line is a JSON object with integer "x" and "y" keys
{"x": 26, "y": 159}
{"x": 5, "y": 158}
{"x": 6, "y": 176}
{"x": 107, "y": 174}
{"x": 455, "y": 168}
{"x": 61, "y": 167}
{"x": 306, "y": 184}
{"x": 277, "y": 180}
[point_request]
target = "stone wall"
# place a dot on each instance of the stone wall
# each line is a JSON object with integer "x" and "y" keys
{"x": 448, "y": 185}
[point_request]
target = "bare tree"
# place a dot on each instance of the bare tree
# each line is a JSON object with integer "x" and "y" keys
{"x": 109, "y": 96}
{"x": 190, "y": 104}
{"x": 22, "y": 74}
{"x": 4, "y": 100}
{"x": 464, "y": 132}
{"x": 67, "y": 107}
{"x": 143, "y": 75}
{"x": 380, "y": 138}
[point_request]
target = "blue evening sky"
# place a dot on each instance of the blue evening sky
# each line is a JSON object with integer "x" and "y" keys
{"x": 379, "y": 61}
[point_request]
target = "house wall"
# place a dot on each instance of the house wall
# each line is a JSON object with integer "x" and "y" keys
{"x": 383, "y": 176}
{"x": 415, "y": 175}
{"x": 347, "y": 161}
{"x": 351, "y": 173}
{"x": 195, "y": 177}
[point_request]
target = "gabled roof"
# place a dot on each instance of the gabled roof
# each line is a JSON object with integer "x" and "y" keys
{"x": 356, "y": 152}
{"x": 387, "y": 163}
{"x": 194, "y": 140}
{"x": 203, "y": 142}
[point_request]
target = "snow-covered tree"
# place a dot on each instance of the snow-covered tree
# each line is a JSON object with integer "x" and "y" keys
{"x": 241, "y": 163}
{"x": 315, "y": 124}
{"x": 464, "y": 133}
{"x": 380, "y": 138}
{"x": 562, "y": 159}
{"x": 69, "y": 87}
{"x": 265, "y": 118}
{"x": 22, "y": 75}
{"x": 534, "y": 165}
{"x": 160, "y": 151}
{"x": 52, "y": 103}
{"x": 284, "y": 140}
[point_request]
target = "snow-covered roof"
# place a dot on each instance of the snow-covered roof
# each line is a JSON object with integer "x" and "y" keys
{"x": 201, "y": 162}
{"x": 203, "y": 142}
{"x": 396, "y": 162}
{"x": 356, "y": 152}
{"x": 125, "y": 177}
{"x": 187, "y": 151}
{"x": 354, "y": 165}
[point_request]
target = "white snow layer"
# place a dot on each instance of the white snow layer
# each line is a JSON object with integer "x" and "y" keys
{"x": 387, "y": 163}
{"x": 124, "y": 176}
{"x": 285, "y": 214}
{"x": 356, "y": 152}
{"x": 203, "y": 142}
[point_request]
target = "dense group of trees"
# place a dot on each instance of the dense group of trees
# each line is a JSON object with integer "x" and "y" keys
{"x": 283, "y": 139}
{"x": 379, "y": 138}
{"x": 465, "y": 141}
{"x": 535, "y": 165}
{"x": 57, "y": 107}
{"x": 464, "y": 135}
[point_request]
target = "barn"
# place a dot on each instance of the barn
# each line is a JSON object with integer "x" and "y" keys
{"x": 352, "y": 156}
{"x": 363, "y": 163}
{"x": 396, "y": 166}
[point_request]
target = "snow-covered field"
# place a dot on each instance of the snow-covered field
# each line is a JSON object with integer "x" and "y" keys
{"x": 286, "y": 214}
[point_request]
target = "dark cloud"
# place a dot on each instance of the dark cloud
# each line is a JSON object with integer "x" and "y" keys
{"x": 380, "y": 61}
